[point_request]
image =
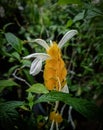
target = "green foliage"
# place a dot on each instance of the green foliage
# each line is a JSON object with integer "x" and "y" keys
{"x": 7, "y": 83}
{"x": 86, "y": 108}
{"x": 9, "y": 114}
{"x": 30, "y": 99}
{"x": 14, "y": 41}
{"x": 62, "y": 2}
{"x": 38, "y": 88}
{"x": 79, "y": 16}
{"x": 23, "y": 21}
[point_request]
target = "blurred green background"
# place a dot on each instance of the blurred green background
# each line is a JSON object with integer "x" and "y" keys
{"x": 25, "y": 20}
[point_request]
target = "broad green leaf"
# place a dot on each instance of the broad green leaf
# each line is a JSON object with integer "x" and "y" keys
{"x": 16, "y": 56}
{"x": 79, "y": 16}
{"x": 86, "y": 108}
{"x": 8, "y": 114}
{"x": 38, "y": 88}
{"x": 69, "y": 23}
{"x": 69, "y": 2}
{"x": 14, "y": 41}
{"x": 7, "y": 83}
{"x": 26, "y": 62}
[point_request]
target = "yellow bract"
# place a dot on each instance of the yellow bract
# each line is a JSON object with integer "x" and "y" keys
{"x": 54, "y": 71}
{"x": 56, "y": 117}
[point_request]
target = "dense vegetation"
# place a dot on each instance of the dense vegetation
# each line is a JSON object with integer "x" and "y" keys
{"x": 22, "y": 21}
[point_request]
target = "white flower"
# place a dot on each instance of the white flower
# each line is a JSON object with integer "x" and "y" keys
{"x": 36, "y": 65}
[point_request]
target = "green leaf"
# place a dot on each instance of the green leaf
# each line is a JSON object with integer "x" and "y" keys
{"x": 29, "y": 77}
{"x": 93, "y": 12}
{"x": 30, "y": 98}
{"x": 69, "y": 23}
{"x": 14, "y": 41}
{"x": 8, "y": 114}
{"x": 79, "y": 16}
{"x": 86, "y": 108}
{"x": 69, "y": 2}
{"x": 38, "y": 88}
{"x": 7, "y": 83}
{"x": 16, "y": 56}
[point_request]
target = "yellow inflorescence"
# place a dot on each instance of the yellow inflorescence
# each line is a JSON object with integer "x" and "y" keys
{"x": 54, "y": 71}
{"x": 56, "y": 117}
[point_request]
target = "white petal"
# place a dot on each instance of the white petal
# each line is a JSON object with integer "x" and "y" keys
{"x": 66, "y": 37}
{"x": 36, "y": 67}
{"x": 65, "y": 89}
{"x": 30, "y": 56}
{"x": 42, "y": 43}
{"x": 51, "y": 43}
{"x": 43, "y": 56}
